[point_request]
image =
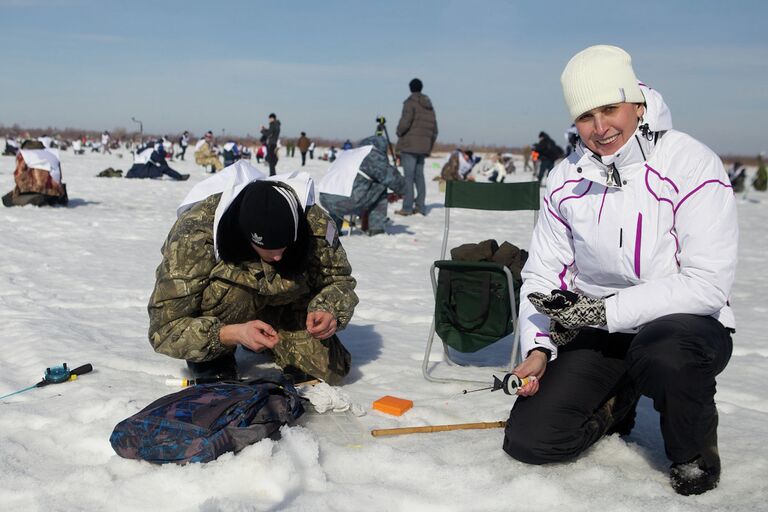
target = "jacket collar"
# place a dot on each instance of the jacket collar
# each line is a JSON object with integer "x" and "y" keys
{"x": 611, "y": 169}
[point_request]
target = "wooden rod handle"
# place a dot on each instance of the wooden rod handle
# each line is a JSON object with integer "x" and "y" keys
{"x": 436, "y": 428}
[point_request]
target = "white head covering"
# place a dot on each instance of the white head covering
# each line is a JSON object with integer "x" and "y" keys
{"x": 600, "y": 75}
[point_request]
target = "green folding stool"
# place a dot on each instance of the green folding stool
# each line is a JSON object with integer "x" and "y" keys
{"x": 475, "y": 303}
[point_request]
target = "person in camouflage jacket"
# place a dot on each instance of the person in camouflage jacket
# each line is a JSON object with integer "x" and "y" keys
{"x": 211, "y": 296}
{"x": 371, "y": 181}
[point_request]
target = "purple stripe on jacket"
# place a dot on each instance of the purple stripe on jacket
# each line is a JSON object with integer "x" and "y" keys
{"x": 555, "y": 215}
{"x": 600, "y": 214}
{"x": 726, "y": 185}
{"x": 648, "y": 170}
{"x": 638, "y": 241}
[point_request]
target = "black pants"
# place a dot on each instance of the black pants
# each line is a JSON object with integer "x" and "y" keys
{"x": 171, "y": 173}
{"x": 673, "y": 360}
{"x": 222, "y": 368}
{"x": 271, "y": 158}
{"x": 303, "y": 158}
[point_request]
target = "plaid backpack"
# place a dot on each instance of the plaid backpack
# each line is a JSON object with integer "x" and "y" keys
{"x": 202, "y": 422}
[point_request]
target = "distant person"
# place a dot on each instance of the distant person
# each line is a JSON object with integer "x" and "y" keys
{"x": 37, "y": 177}
{"x": 303, "y": 144}
{"x": 627, "y": 289}
{"x": 311, "y": 150}
{"x": 205, "y": 154}
{"x": 290, "y": 148}
{"x": 230, "y": 152}
{"x": 183, "y": 144}
{"x": 498, "y": 168}
{"x": 261, "y": 153}
{"x": 77, "y": 147}
{"x": 105, "y": 140}
{"x": 571, "y": 139}
{"x": 737, "y": 175}
{"x": 271, "y": 135}
{"x": 417, "y": 133}
{"x": 253, "y": 262}
{"x": 347, "y": 145}
{"x": 11, "y": 146}
{"x": 459, "y": 166}
{"x": 357, "y": 184}
{"x": 548, "y": 152}
{"x": 760, "y": 181}
{"x": 527, "y": 164}
{"x": 151, "y": 163}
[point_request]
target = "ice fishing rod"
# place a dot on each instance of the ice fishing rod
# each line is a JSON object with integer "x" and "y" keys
{"x": 381, "y": 128}
{"x": 55, "y": 375}
{"x": 510, "y": 384}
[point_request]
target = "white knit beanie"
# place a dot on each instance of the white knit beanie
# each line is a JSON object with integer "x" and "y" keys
{"x": 600, "y": 75}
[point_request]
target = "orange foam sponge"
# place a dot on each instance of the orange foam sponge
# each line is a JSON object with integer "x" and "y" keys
{"x": 392, "y": 405}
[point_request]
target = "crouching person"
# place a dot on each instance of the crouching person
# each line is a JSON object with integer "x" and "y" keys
{"x": 639, "y": 243}
{"x": 37, "y": 178}
{"x": 253, "y": 262}
{"x": 357, "y": 184}
{"x": 151, "y": 163}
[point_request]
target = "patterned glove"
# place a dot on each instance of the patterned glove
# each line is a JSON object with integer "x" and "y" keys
{"x": 559, "y": 335}
{"x": 570, "y": 309}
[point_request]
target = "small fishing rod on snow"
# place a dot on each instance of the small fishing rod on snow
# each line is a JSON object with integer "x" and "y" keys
{"x": 56, "y": 375}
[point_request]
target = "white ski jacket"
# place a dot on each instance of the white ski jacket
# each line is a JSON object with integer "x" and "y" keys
{"x": 653, "y": 228}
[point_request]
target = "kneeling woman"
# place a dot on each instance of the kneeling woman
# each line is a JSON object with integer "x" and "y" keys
{"x": 637, "y": 238}
{"x": 256, "y": 263}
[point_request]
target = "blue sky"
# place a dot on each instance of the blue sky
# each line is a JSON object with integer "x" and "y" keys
{"x": 492, "y": 68}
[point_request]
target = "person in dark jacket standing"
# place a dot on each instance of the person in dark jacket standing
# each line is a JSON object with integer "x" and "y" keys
{"x": 548, "y": 153}
{"x": 303, "y": 144}
{"x": 417, "y": 133}
{"x": 271, "y": 134}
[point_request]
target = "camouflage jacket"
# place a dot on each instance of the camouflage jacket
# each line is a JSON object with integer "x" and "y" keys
{"x": 195, "y": 295}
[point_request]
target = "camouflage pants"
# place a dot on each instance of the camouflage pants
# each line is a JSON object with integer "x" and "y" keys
{"x": 338, "y": 206}
{"x": 210, "y": 161}
{"x": 325, "y": 359}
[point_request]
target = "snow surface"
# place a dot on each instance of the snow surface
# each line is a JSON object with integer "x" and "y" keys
{"x": 74, "y": 288}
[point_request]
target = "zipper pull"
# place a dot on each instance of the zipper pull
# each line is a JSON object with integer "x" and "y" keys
{"x": 621, "y": 236}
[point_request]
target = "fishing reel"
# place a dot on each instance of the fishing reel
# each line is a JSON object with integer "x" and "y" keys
{"x": 59, "y": 374}
{"x": 510, "y": 384}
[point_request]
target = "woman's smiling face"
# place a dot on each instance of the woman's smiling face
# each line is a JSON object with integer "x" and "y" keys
{"x": 606, "y": 129}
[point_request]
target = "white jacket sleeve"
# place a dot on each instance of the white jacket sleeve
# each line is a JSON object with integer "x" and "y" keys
{"x": 707, "y": 233}
{"x": 549, "y": 266}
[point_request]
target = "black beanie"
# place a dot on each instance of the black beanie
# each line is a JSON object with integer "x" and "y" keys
{"x": 415, "y": 85}
{"x": 269, "y": 215}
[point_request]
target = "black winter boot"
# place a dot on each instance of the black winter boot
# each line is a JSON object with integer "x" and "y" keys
{"x": 697, "y": 476}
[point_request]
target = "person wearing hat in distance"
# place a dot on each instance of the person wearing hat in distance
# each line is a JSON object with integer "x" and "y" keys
{"x": 205, "y": 154}
{"x": 626, "y": 290}
{"x": 416, "y": 136}
{"x": 253, "y": 262}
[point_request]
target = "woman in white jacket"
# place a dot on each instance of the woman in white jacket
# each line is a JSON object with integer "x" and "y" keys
{"x": 626, "y": 289}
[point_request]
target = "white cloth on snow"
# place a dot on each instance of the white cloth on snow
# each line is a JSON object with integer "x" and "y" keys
{"x": 325, "y": 397}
